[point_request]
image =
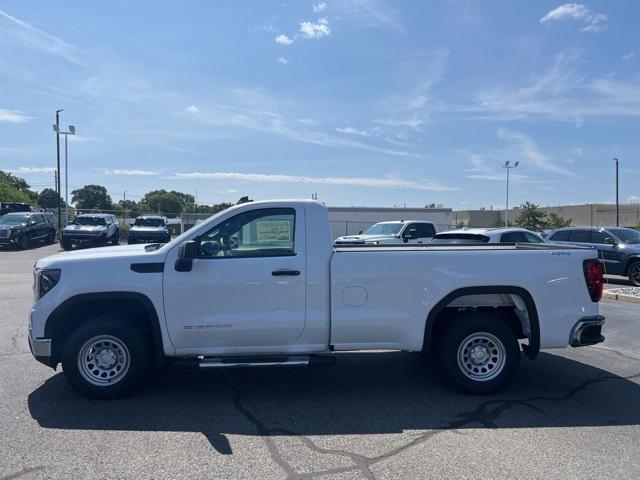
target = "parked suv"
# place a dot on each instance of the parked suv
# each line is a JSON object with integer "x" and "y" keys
{"x": 389, "y": 233}
{"x": 618, "y": 248}
{"x": 149, "y": 228}
{"x": 488, "y": 235}
{"x": 23, "y": 229}
{"x": 93, "y": 230}
{"x": 10, "y": 207}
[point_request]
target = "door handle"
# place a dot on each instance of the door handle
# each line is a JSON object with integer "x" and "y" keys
{"x": 284, "y": 272}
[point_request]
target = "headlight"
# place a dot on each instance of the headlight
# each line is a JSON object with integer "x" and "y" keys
{"x": 44, "y": 280}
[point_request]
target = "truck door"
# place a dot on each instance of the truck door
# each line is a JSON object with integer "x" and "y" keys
{"x": 246, "y": 287}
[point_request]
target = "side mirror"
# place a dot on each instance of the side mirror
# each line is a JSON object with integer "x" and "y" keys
{"x": 360, "y": 232}
{"x": 186, "y": 253}
{"x": 610, "y": 241}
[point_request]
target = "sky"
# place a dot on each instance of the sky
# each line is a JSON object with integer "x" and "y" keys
{"x": 362, "y": 102}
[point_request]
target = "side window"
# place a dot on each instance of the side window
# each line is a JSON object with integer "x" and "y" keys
{"x": 580, "y": 236}
{"x": 513, "y": 237}
{"x": 425, "y": 230}
{"x": 266, "y": 232}
{"x": 598, "y": 237}
{"x": 531, "y": 238}
{"x": 39, "y": 218}
{"x": 561, "y": 236}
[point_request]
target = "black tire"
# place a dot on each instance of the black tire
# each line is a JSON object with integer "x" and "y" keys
{"x": 66, "y": 245}
{"x": 138, "y": 349}
{"x": 634, "y": 273}
{"x": 116, "y": 238}
{"x": 489, "y": 336}
{"x": 23, "y": 243}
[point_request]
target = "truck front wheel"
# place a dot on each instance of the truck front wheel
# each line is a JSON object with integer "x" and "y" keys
{"x": 634, "y": 273}
{"x": 104, "y": 359}
{"x": 479, "y": 353}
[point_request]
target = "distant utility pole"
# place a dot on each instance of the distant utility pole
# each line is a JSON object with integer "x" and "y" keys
{"x": 508, "y": 166}
{"x": 57, "y": 128}
{"x": 124, "y": 207}
{"x": 617, "y": 195}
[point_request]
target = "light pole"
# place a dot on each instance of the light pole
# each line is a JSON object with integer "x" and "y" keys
{"x": 72, "y": 131}
{"x": 617, "y": 195}
{"x": 124, "y": 207}
{"x": 56, "y": 127}
{"x": 508, "y": 166}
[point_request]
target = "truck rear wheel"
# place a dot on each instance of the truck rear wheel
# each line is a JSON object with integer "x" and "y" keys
{"x": 479, "y": 353}
{"x": 104, "y": 359}
{"x": 634, "y": 273}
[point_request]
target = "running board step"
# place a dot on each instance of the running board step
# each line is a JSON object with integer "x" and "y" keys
{"x": 255, "y": 361}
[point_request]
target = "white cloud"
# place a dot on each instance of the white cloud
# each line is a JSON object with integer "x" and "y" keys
{"x": 576, "y": 11}
{"x": 319, "y": 7}
{"x": 563, "y": 93}
{"x": 227, "y": 191}
{"x": 192, "y": 109}
{"x": 28, "y": 35}
{"x": 481, "y": 169}
{"x": 369, "y": 14}
{"x": 282, "y": 60}
{"x": 32, "y": 170}
{"x": 628, "y": 56}
{"x": 354, "y": 131}
{"x": 634, "y": 199}
{"x": 414, "y": 122}
{"x": 315, "y": 30}
{"x": 282, "y": 39}
{"x": 527, "y": 150}
{"x": 309, "y": 121}
{"x": 12, "y": 116}
{"x": 380, "y": 182}
{"x": 129, "y": 172}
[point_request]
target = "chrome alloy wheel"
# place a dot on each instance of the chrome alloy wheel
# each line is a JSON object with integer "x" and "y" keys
{"x": 481, "y": 356}
{"x": 103, "y": 360}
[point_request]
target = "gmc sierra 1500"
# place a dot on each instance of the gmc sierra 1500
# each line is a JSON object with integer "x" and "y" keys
{"x": 260, "y": 284}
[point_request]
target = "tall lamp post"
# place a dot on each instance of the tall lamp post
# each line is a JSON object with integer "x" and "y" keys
{"x": 508, "y": 166}
{"x": 56, "y": 127}
{"x": 72, "y": 131}
{"x": 617, "y": 195}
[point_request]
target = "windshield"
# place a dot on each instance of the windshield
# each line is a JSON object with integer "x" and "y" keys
{"x": 91, "y": 221}
{"x": 14, "y": 219}
{"x": 627, "y": 235}
{"x": 459, "y": 238}
{"x": 384, "y": 229}
{"x": 149, "y": 222}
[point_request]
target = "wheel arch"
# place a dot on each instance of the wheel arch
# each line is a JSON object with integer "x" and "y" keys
{"x": 435, "y": 315}
{"x": 630, "y": 260}
{"x": 65, "y": 317}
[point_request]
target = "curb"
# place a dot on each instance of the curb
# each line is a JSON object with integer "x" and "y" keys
{"x": 621, "y": 297}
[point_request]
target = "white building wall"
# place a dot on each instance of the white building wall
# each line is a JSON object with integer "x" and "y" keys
{"x": 351, "y": 220}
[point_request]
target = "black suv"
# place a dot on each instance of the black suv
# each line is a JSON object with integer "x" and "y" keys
{"x": 618, "y": 248}
{"x": 10, "y": 207}
{"x": 91, "y": 229}
{"x": 21, "y": 230}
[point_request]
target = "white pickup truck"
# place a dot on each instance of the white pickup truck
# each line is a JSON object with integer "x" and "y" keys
{"x": 393, "y": 232}
{"x": 260, "y": 284}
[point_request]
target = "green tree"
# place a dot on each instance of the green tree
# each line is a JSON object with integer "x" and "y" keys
{"x": 161, "y": 201}
{"x": 48, "y": 198}
{"x": 92, "y": 197}
{"x": 556, "y": 221}
{"x": 532, "y": 217}
{"x": 15, "y": 189}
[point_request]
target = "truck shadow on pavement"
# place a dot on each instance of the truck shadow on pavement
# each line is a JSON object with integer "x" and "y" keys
{"x": 365, "y": 393}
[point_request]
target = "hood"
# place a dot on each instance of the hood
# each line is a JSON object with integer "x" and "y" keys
{"x": 85, "y": 228}
{"x": 12, "y": 227}
{"x": 363, "y": 238}
{"x": 95, "y": 254}
{"x": 147, "y": 229}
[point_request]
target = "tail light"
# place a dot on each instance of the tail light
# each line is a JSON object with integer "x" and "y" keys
{"x": 594, "y": 277}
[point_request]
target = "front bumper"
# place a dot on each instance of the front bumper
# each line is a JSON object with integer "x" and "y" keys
{"x": 84, "y": 239}
{"x": 40, "y": 349}
{"x": 587, "y": 331}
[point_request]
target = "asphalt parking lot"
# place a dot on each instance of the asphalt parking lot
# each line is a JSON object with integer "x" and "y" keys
{"x": 572, "y": 413}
